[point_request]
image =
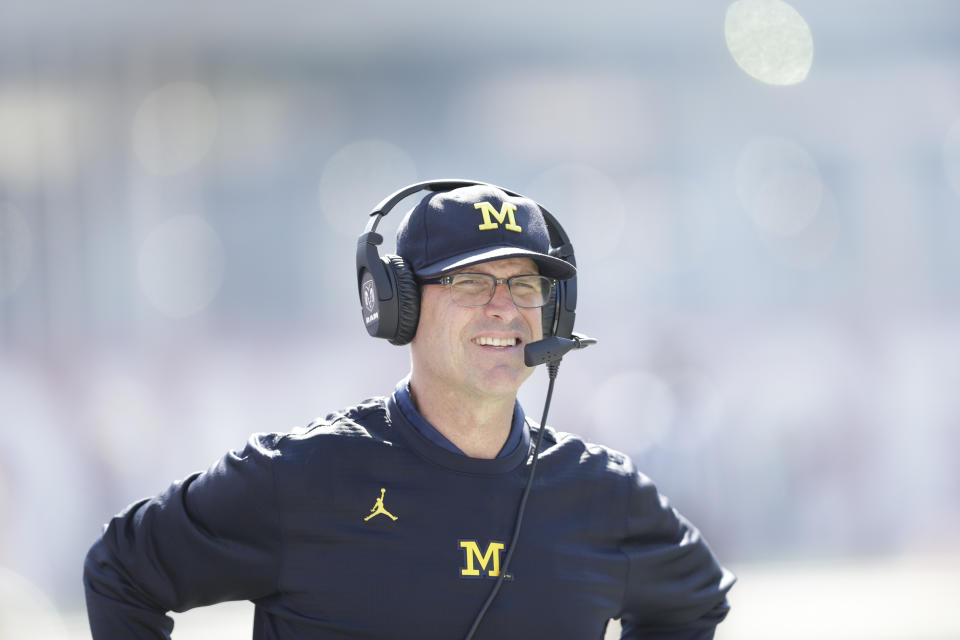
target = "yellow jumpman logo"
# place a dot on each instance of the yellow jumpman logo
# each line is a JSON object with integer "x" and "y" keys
{"x": 378, "y": 508}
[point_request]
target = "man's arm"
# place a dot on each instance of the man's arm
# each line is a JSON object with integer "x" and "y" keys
{"x": 676, "y": 588}
{"x": 213, "y": 537}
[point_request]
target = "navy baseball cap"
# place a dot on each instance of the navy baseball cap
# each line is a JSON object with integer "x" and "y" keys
{"x": 454, "y": 229}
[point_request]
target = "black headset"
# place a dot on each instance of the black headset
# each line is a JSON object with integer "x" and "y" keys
{"x": 390, "y": 293}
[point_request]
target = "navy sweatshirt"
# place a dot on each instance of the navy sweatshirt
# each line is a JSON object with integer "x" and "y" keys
{"x": 360, "y": 527}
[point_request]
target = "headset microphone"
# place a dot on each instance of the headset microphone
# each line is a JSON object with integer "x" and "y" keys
{"x": 553, "y": 348}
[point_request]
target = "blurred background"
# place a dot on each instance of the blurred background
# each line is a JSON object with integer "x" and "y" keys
{"x": 764, "y": 199}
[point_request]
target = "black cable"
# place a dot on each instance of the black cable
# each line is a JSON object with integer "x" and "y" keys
{"x": 552, "y": 368}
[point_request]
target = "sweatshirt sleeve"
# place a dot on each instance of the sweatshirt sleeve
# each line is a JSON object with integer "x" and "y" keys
{"x": 676, "y": 588}
{"x": 213, "y": 537}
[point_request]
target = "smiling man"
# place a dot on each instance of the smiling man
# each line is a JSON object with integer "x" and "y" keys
{"x": 392, "y": 519}
{"x": 467, "y": 358}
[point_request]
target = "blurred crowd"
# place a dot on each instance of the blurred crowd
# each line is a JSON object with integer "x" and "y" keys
{"x": 768, "y": 261}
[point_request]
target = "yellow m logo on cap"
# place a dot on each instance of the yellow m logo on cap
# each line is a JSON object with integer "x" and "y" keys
{"x": 505, "y": 213}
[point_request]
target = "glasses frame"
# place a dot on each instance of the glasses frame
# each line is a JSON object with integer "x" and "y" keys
{"x": 448, "y": 280}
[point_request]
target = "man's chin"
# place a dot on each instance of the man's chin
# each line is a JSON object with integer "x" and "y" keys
{"x": 503, "y": 381}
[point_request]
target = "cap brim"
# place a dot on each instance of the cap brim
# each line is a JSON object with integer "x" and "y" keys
{"x": 549, "y": 266}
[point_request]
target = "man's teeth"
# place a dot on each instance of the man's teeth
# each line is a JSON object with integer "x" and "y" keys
{"x": 495, "y": 342}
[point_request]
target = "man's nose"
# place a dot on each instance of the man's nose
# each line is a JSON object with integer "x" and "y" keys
{"x": 501, "y": 304}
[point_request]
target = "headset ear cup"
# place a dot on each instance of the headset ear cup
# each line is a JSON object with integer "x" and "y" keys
{"x": 408, "y": 299}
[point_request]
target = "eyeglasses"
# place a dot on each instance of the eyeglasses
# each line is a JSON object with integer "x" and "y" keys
{"x": 477, "y": 289}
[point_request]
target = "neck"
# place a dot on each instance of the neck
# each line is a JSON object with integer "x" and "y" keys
{"x": 478, "y": 426}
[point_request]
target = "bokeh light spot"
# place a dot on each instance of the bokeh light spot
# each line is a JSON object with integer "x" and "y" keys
{"x": 357, "y": 177}
{"x": 951, "y": 156}
{"x": 181, "y": 266}
{"x": 779, "y": 185}
{"x": 769, "y": 40}
{"x": 815, "y": 244}
{"x": 174, "y": 128}
{"x": 16, "y": 249}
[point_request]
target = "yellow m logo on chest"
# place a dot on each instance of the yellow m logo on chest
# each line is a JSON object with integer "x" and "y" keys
{"x": 488, "y": 560}
{"x": 505, "y": 213}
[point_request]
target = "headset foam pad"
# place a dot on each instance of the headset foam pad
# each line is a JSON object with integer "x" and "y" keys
{"x": 548, "y": 312}
{"x": 408, "y": 299}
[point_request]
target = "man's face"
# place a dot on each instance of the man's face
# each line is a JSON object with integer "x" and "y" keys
{"x": 448, "y": 351}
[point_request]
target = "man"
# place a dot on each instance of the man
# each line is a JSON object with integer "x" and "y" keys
{"x": 393, "y": 519}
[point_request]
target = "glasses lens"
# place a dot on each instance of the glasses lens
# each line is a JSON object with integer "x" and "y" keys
{"x": 530, "y": 291}
{"x": 472, "y": 289}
